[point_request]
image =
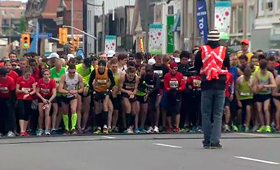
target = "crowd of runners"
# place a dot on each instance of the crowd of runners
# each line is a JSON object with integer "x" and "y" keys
{"x": 132, "y": 93}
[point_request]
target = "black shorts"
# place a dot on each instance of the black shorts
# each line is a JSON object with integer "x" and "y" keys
{"x": 227, "y": 101}
{"x": 82, "y": 94}
{"x": 57, "y": 100}
{"x": 277, "y": 98}
{"x": 142, "y": 99}
{"x": 260, "y": 98}
{"x": 99, "y": 96}
{"x": 247, "y": 102}
{"x": 47, "y": 97}
{"x": 67, "y": 100}
{"x": 125, "y": 95}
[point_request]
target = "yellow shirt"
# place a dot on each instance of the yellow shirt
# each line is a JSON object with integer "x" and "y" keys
{"x": 249, "y": 55}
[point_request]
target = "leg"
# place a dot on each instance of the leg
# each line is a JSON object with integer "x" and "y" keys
{"x": 41, "y": 115}
{"x": 248, "y": 115}
{"x": 65, "y": 108}
{"x": 266, "y": 111}
{"x": 73, "y": 107}
{"x": 54, "y": 115}
{"x": 260, "y": 113}
{"x": 206, "y": 110}
{"x": 105, "y": 111}
{"x": 144, "y": 111}
{"x": 79, "y": 112}
{"x": 156, "y": 119}
{"x": 110, "y": 113}
{"x": 48, "y": 118}
{"x": 219, "y": 100}
{"x": 86, "y": 108}
{"x": 127, "y": 109}
{"x": 136, "y": 109}
{"x": 277, "y": 114}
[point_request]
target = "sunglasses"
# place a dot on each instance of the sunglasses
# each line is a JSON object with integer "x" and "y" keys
{"x": 71, "y": 72}
{"x": 14, "y": 65}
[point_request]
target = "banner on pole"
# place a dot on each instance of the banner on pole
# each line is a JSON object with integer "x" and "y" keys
{"x": 222, "y": 18}
{"x": 110, "y": 43}
{"x": 201, "y": 17}
{"x": 155, "y": 39}
{"x": 170, "y": 34}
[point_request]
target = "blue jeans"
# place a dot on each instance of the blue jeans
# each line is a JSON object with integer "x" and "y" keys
{"x": 212, "y": 102}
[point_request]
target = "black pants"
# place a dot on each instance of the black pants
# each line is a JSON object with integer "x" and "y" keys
{"x": 24, "y": 109}
{"x": 7, "y": 116}
{"x": 184, "y": 111}
{"x": 195, "y": 109}
{"x": 173, "y": 104}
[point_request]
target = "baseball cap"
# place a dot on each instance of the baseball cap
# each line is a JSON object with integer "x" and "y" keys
{"x": 151, "y": 61}
{"x": 173, "y": 65}
{"x": 87, "y": 62}
{"x": 111, "y": 53}
{"x": 53, "y": 55}
{"x": 245, "y": 41}
{"x": 69, "y": 56}
{"x": 3, "y": 71}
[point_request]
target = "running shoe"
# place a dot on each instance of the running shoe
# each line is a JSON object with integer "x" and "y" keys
{"x": 246, "y": 129}
{"x": 98, "y": 131}
{"x": 115, "y": 130}
{"x": 261, "y": 129}
{"x": 129, "y": 131}
{"x": 66, "y": 132}
{"x": 177, "y": 130}
{"x": 11, "y": 134}
{"x": 105, "y": 130}
{"x": 216, "y": 146}
{"x": 53, "y": 132}
{"x": 143, "y": 130}
{"x": 226, "y": 128}
{"x": 278, "y": 129}
{"x": 156, "y": 129}
{"x": 24, "y": 134}
{"x": 255, "y": 128}
{"x": 1, "y": 135}
{"x": 169, "y": 130}
{"x": 268, "y": 129}
{"x": 235, "y": 128}
{"x": 150, "y": 130}
{"x": 47, "y": 132}
{"x": 199, "y": 129}
{"x": 74, "y": 132}
{"x": 137, "y": 130}
{"x": 40, "y": 132}
{"x": 193, "y": 130}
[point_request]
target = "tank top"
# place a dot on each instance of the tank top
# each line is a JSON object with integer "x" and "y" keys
{"x": 264, "y": 80}
{"x": 84, "y": 72}
{"x": 71, "y": 84}
{"x": 245, "y": 91}
{"x": 57, "y": 76}
{"x": 101, "y": 81}
{"x": 129, "y": 85}
{"x": 234, "y": 72}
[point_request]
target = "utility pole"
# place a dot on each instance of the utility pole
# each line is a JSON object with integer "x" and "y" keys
{"x": 184, "y": 26}
{"x": 72, "y": 18}
{"x": 211, "y": 4}
{"x": 245, "y": 18}
{"x": 147, "y": 25}
{"x": 103, "y": 26}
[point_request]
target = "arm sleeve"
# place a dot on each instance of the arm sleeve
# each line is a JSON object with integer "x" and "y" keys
{"x": 92, "y": 77}
{"x": 111, "y": 77}
{"x": 198, "y": 61}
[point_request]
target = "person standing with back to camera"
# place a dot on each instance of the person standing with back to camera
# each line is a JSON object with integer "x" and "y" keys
{"x": 212, "y": 61}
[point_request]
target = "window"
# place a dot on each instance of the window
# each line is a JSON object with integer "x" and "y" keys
{"x": 12, "y": 13}
{"x": 270, "y": 6}
{"x": 251, "y": 18}
{"x": 277, "y": 6}
{"x": 261, "y": 8}
{"x": 233, "y": 20}
{"x": 3, "y": 13}
{"x": 240, "y": 19}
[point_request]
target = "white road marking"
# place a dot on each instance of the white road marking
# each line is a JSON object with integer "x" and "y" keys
{"x": 257, "y": 160}
{"x": 108, "y": 137}
{"x": 255, "y": 135}
{"x": 165, "y": 145}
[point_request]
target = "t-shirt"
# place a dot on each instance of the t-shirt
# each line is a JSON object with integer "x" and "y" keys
{"x": 46, "y": 88}
{"x": 14, "y": 75}
{"x": 25, "y": 85}
{"x": 57, "y": 76}
{"x": 6, "y": 86}
{"x": 36, "y": 74}
{"x": 84, "y": 72}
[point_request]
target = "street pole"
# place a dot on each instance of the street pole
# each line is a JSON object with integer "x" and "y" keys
{"x": 212, "y": 13}
{"x": 147, "y": 26}
{"x": 245, "y": 18}
{"x": 103, "y": 27}
{"x": 72, "y": 18}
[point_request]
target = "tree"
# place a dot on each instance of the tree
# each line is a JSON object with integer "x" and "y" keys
{"x": 22, "y": 25}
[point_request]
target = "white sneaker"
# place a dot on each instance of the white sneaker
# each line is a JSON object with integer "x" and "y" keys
{"x": 40, "y": 132}
{"x": 226, "y": 128}
{"x": 150, "y": 130}
{"x": 47, "y": 132}
{"x": 11, "y": 134}
{"x": 129, "y": 130}
{"x": 156, "y": 129}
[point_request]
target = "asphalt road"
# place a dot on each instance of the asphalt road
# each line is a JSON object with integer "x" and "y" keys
{"x": 140, "y": 152}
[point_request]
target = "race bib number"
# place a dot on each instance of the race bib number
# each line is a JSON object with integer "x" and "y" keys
{"x": 185, "y": 78}
{"x": 4, "y": 90}
{"x": 159, "y": 73}
{"x": 26, "y": 89}
{"x": 244, "y": 94}
{"x": 197, "y": 83}
{"x": 57, "y": 81}
{"x": 45, "y": 91}
{"x": 174, "y": 84}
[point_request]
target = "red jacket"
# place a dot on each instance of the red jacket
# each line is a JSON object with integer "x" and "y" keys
{"x": 176, "y": 81}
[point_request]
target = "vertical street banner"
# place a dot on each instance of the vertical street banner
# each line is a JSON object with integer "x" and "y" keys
{"x": 155, "y": 39}
{"x": 110, "y": 43}
{"x": 201, "y": 17}
{"x": 222, "y": 18}
{"x": 170, "y": 34}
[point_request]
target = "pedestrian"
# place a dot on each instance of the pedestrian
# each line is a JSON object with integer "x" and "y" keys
{"x": 212, "y": 61}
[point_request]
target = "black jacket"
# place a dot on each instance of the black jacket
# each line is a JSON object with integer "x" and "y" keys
{"x": 214, "y": 84}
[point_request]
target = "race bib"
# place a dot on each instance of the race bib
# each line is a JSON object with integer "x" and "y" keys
{"x": 45, "y": 91}
{"x": 101, "y": 82}
{"x": 26, "y": 89}
{"x": 185, "y": 78}
{"x": 4, "y": 90}
{"x": 244, "y": 94}
{"x": 197, "y": 83}
{"x": 159, "y": 73}
{"x": 174, "y": 84}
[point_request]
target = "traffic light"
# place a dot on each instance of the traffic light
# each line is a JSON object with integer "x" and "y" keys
{"x": 77, "y": 45}
{"x": 25, "y": 41}
{"x": 63, "y": 33}
{"x": 73, "y": 49}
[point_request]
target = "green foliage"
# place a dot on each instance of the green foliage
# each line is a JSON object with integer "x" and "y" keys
{"x": 22, "y": 25}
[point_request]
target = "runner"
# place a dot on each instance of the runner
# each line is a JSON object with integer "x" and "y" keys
{"x": 244, "y": 95}
{"x": 25, "y": 88}
{"x": 174, "y": 84}
{"x": 101, "y": 83}
{"x": 71, "y": 84}
{"x": 56, "y": 73}
{"x": 276, "y": 99}
{"x": 11, "y": 73}
{"x": 46, "y": 91}
{"x": 263, "y": 82}
{"x": 22, "y": 66}
{"x": 7, "y": 97}
{"x": 148, "y": 90}
{"x": 84, "y": 69}
{"x": 122, "y": 61}
{"x": 115, "y": 97}
{"x": 229, "y": 94}
{"x": 243, "y": 59}
{"x": 128, "y": 87}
